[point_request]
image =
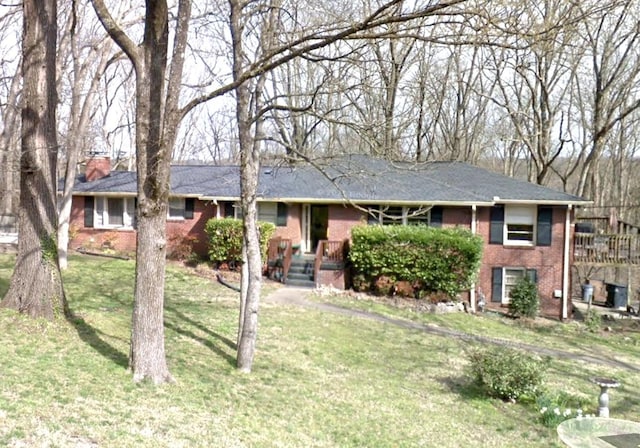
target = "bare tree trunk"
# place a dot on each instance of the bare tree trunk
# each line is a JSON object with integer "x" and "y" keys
{"x": 249, "y": 166}
{"x": 157, "y": 119}
{"x": 9, "y": 147}
{"x": 148, "y": 359}
{"x": 36, "y": 284}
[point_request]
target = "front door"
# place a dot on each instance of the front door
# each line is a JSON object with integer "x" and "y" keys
{"x": 319, "y": 224}
{"x": 315, "y": 221}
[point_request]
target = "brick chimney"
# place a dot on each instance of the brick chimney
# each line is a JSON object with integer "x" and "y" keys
{"x": 97, "y": 167}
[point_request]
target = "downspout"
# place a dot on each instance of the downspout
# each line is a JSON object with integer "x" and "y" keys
{"x": 565, "y": 264}
{"x": 474, "y": 230}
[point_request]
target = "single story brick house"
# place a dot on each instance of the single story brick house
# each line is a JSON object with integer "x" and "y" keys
{"x": 528, "y": 228}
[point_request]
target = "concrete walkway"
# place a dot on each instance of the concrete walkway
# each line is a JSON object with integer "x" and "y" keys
{"x": 298, "y": 297}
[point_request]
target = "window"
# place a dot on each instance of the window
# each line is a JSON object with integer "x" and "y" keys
{"x": 180, "y": 208}
{"x": 519, "y": 225}
{"x": 176, "y": 208}
{"x": 417, "y": 216}
{"x": 115, "y": 211}
{"x": 111, "y": 212}
{"x": 393, "y": 215}
{"x": 268, "y": 212}
{"x": 511, "y": 278}
{"x": 273, "y": 212}
{"x": 513, "y": 225}
{"x": 504, "y": 279}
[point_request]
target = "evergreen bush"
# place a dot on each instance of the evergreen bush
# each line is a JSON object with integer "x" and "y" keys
{"x": 225, "y": 240}
{"x": 524, "y": 300}
{"x": 433, "y": 260}
{"x": 506, "y": 373}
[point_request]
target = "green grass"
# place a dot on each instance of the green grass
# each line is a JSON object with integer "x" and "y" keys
{"x": 319, "y": 379}
{"x": 622, "y": 344}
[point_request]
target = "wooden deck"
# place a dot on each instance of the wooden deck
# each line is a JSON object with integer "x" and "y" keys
{"x": 606, "y": 249}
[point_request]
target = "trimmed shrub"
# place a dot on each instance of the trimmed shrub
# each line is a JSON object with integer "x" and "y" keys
{"x": 432, "y": 259}
{"x": 506, "y": 373}
{"x": 524, "y": 299}
{"x": 225, "y": 240}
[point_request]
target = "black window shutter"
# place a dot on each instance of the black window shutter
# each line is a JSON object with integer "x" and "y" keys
{"x": 373, "y": 217}
{"x": 88, "y": 211}
{"x": 135, "y": 213}
{"x": 496, "y": 230}
{"x": 543, "y": 232}
{"x": 228, "y": 210}
{"x": 532, "y": 274}
{"x": 436, "y": 216}
{"x": 189, "y": 207}
{"x": 283, "y": 212}
{"x": 496, "y": 284}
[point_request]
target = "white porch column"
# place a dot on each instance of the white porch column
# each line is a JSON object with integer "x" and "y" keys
{"x": 565, "y": 263}
{"x": 474, "y": 230}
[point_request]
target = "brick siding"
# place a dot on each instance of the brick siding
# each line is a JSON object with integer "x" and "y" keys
{"x": 546, "y": 260}
{"x": 124, "y": 240}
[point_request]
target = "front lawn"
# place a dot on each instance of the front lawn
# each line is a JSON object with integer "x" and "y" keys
{"x": 319, "y": 379}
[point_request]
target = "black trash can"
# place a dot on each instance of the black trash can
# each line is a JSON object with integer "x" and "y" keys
{"x": 616, "y": 295}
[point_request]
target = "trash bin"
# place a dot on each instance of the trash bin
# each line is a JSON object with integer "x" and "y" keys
{"x": 616, "y": 295}
{"x": 587, "y": 293}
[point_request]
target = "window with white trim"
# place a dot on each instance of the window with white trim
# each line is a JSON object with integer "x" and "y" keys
{"x": 176, "y": 208}
{"x": 504, "y": 279}
{"x": 394, "y": 215}
{"x": 114, "y": 212}
{"x": 519, "y": 225}
{"x": 273, "y": 212}
{"x": 511, "y": 277}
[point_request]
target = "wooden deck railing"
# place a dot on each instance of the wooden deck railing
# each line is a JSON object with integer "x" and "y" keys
{"x": 606, "y": 248}
{"x": 279, "y": 255}
{"x": 328, "y": 251}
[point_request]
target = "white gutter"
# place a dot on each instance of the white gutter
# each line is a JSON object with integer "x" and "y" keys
{"x": 472, "y": 292}
{"x": 565, "y": 264}
{"x": 542, "y": 202}
{"x": 368, "y": 202}
{"x": 109, "y": 194}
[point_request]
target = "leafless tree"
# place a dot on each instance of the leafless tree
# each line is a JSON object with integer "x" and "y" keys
{"x": 10, "y": 88}
{"x": 610, "y": 92}
{"x": 36, "y": 284}
{"x": 89, "y": 53}
{"x": 157, "y": 120}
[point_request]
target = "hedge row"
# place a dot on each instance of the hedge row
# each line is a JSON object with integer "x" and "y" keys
{"x": 225, "y": 240}
{"x": 431, "y": 260}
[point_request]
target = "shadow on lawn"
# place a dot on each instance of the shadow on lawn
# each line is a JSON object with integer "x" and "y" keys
{"x": 95, "y": 340}
{"x": 464, "y": 387}
{"x": 206, "y": 342}
{"x": 4, "y": 286}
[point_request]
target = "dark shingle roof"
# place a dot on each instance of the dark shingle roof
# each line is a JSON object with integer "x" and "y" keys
{"x": 353, "y": 178}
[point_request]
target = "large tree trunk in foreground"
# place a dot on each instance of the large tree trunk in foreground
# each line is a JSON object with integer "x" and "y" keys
{"x": 157, "y": 119}
{"x": 36, "y": 284}
{"x": 148, "y": 358}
